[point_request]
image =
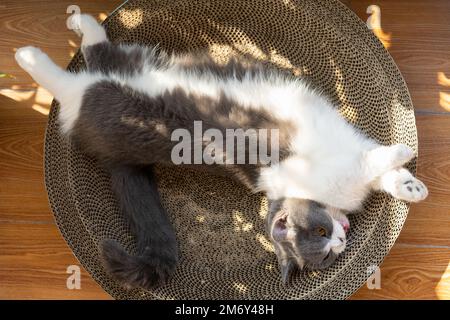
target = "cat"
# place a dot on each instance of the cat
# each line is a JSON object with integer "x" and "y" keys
{"x": 123, "y": 108}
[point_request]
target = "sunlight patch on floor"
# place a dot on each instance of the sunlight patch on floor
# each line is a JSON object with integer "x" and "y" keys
{"x": 443, "y": 287}
{"x": 40, "y": 99}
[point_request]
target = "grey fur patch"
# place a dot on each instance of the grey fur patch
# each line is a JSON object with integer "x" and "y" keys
{"x": 129, "y": 60}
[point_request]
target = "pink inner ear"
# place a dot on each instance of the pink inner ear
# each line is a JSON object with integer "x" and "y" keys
{"x": 279, "y": 230}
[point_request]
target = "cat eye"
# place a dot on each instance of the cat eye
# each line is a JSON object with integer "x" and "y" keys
{"x": 322, "y": 232}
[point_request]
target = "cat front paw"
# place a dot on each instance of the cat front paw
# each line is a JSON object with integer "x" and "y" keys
{"x": 408, "y": 188}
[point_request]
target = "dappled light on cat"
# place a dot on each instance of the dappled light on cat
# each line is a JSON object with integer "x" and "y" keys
{"x": 158, "y": 126}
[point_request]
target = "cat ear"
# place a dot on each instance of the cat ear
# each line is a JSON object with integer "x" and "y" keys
{"x": 281, "y": 232}
{"x": 287, "y": 267}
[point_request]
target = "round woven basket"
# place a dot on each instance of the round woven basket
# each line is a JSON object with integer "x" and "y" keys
{"x": 225, "y": 252}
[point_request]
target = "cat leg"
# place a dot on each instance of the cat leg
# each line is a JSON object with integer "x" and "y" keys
{"x": 401, "y": 184}
{"x": 68, "y": 88}
{"x": 103, "y": 56}
{"x": 43, "y": 70}
{"x": 385, "y": 158}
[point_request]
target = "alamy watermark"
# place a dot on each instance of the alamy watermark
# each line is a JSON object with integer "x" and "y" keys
{"x": 74, "y": 12}
{"x": 73, "y": 281}
{"x": 374, "y": 279}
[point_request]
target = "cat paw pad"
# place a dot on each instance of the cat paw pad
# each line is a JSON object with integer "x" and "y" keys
{"x": 410, "y": 189}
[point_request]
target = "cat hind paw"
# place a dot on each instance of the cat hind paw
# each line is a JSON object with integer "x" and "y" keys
{"x": 29, "y": 57}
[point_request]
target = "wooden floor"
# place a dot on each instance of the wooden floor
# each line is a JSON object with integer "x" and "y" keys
{"x": 33, "y": 255}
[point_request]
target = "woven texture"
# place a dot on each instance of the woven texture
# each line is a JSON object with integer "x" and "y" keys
{"x": 225, "y": 252}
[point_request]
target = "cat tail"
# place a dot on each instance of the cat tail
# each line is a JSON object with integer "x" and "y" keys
{"x": 157, "y": 250}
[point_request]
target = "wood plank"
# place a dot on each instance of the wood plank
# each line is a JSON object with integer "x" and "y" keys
{"x": 426, "y": 224}
{"x": 41, "y": 23}
{"x": 33, "y": 264}
{"x": 407, "y": 273}
{"x": 419, "y": 35}
{"x": 22, "y": 130}
{"x": 434, "y": 148}
{"x": 429, "y": 221}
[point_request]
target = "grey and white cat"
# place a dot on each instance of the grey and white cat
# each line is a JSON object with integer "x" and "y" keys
{"x": 124, "y": 106}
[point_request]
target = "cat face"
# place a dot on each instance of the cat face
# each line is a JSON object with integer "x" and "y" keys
{"x": 306, "y": 234}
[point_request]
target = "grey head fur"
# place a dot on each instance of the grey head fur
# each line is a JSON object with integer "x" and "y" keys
{"x": 302, "y": 232}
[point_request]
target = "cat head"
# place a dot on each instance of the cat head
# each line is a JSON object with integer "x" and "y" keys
{"x": 305, "y": 234}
